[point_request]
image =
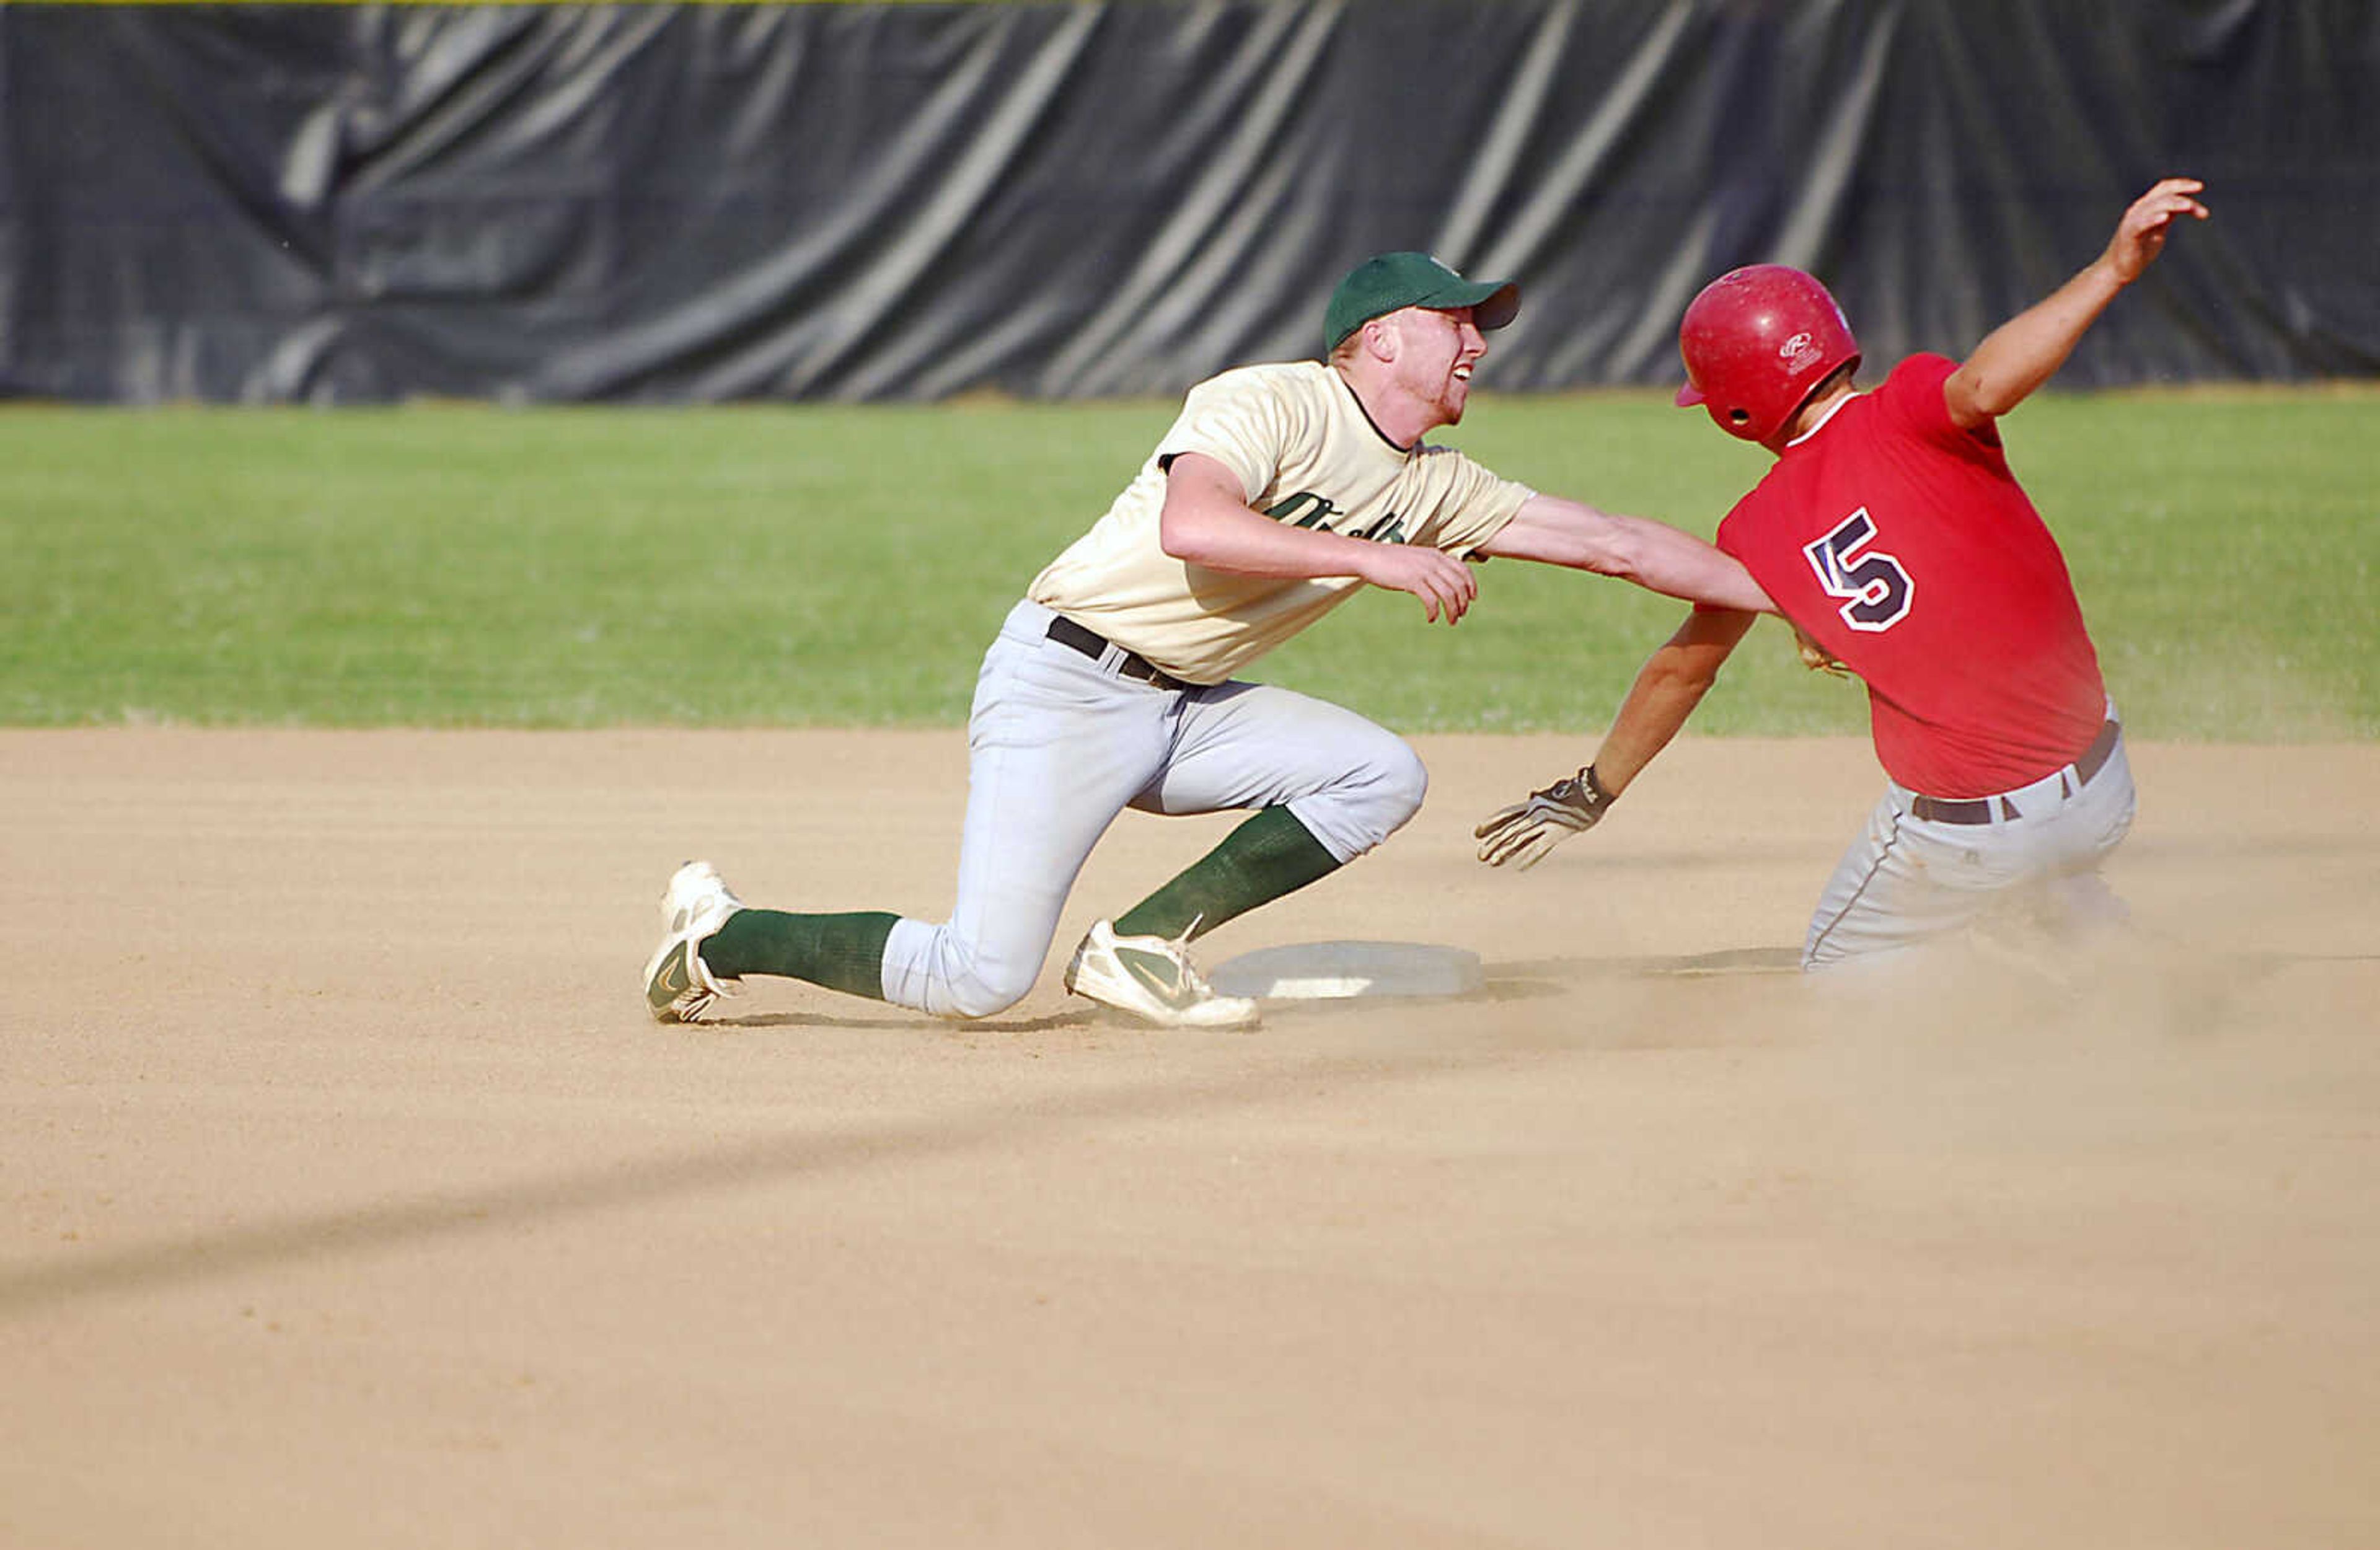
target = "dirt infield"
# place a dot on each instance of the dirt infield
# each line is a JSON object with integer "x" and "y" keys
{"x": 352, "y": 1200}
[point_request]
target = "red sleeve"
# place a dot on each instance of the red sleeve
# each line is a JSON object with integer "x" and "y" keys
{"x": 1912, "y": 396}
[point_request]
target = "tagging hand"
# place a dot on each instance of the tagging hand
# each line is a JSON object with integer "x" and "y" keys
{"x": 1527, "y": 831}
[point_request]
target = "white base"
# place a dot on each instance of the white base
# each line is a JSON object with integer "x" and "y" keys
{"x": 1323, "y": 971}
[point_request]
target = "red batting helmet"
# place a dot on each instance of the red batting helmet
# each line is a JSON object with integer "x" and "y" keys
{"x": 1756, "y": 342}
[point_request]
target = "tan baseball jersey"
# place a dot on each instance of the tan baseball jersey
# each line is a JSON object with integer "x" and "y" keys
{"x": 1305, "y": 454}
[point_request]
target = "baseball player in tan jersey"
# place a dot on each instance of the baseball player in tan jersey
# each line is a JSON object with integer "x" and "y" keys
{"x": 1279, "y": 490}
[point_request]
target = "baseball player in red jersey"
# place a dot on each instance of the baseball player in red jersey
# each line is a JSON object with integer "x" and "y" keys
{"x": 1892, "y": 535}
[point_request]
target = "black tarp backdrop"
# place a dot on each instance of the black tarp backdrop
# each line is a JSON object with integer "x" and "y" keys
{"x": 341, "y": 204}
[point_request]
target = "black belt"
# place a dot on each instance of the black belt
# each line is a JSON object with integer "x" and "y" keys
{"x": 1091, "y": 642}
{"x": 1935, "y": 809}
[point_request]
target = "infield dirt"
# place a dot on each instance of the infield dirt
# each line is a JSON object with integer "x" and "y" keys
{"x": 351, "y": 1199}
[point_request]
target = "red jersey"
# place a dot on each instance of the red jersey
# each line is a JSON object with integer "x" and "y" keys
{"x": 1902, "y": 545}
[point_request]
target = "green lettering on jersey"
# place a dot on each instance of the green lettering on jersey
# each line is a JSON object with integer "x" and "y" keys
{"x": 1304, "y": 509}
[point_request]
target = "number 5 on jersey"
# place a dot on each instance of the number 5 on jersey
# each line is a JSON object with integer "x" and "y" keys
{"x": 1875, "y": 588}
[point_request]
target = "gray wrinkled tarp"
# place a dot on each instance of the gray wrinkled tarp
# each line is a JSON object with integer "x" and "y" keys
{"x": 343, "y": 203}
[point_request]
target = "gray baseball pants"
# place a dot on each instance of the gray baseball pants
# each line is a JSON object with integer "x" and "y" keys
{"x": 1059, "y": 744}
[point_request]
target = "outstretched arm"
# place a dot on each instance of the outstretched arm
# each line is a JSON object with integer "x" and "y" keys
{"x": 2027, "y": 350}
{"x": 1670, "y": 684}
{"x": 1651, "y": 554}
{"x": 1668, "y": 687}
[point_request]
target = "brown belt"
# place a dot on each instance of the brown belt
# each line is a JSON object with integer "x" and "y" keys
{"x": 1092, "y": 644}
{"x": 1935, "y": 809}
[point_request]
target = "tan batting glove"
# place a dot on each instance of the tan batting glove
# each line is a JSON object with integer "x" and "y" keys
{"x": 1527, "y": 831}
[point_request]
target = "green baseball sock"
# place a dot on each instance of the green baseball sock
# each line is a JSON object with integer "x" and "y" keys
{"x": 1271, "y": 855}
{"x": 840, "y": 951}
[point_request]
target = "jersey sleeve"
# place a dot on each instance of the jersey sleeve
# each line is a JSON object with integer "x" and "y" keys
{"x": 1738, "y": 538}
{"x": 1474, "y": 507}
{"x": 1913, "y": 397}
{"x": 1239, "y": 419}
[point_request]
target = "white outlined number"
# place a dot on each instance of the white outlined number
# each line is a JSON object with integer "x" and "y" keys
{"x": 1875, "y": 588}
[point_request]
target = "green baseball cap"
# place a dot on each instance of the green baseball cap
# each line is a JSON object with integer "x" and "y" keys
{"x": 1384, "y": 284}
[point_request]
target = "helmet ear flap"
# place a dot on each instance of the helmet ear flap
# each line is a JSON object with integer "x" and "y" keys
{"x": 1756, "y": 343}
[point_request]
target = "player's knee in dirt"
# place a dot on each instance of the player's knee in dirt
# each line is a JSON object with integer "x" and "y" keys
{"x": 943, "y": 971}
{"x": 987, "y": 990}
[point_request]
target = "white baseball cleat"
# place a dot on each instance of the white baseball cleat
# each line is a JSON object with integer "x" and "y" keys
{"x": 1152, "y": 979}
{"x": 678, "y": 985}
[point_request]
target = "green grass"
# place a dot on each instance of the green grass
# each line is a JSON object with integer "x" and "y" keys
{"x": 470, "y": 565}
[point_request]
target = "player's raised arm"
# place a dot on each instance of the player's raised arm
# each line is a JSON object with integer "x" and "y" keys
{"x": 1652, "y": 555}
{"x": 2027, "y": 350}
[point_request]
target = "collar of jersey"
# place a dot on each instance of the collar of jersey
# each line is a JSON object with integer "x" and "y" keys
{"x": 1349, "y": 389}
{"x": 1823, "y": 419}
